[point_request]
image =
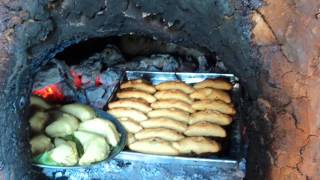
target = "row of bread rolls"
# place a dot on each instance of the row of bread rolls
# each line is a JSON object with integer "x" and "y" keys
{"x": 173, "y": 117}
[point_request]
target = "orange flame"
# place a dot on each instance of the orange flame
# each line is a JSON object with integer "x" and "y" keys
{"x": 50, "y": 93}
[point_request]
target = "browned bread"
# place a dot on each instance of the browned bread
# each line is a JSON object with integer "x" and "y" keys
{"x": 154, "y": 146}
{"x": 172, "y": 103}
{"x": 172, "y": 113}
{"x": 163, "y": 122}
{"x": 130, "y": 125}
{"x": 205, "y": 129}
{"x": 137, "y": 104}
{"x": 175, "y": 85}
{"x": 138, "y": 84}
{"x": 210, "y": 116}
{"x": 214, "y": 105}
{"x": 214, "y": 83}
{"x": 128, "y": 113}
{"x": 198, "y": 145}
{"x": 163, "y": 133}
{"x": 136, "y": 94}
{"x": 211, "y": 94}
{"x": 173, "y": 94}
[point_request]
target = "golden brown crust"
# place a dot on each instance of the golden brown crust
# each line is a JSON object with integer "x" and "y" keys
{"x": 131, "y": 125}
{"x": 205, "y": 129}
{"x": 172, "y": 103}
{"x": 214, "y": 105}
{"x": 175, "y": 85}
{"x": 162, "y": 122}
{"x": 210, "y": 116}
{"x": 131, "y": 139}
{"x": 137, "y": 104}
{"x": 154, "y": 146}
{"x": 198, "y": 145}
{"x": 163, "y": 133}
{"x": 173, "y": 94}
{"x": 172, "y": 113}
{"x": 211, "y": 94}
{"x": 136, "y": 94}
{"x": 214, "y": 83}
{"x": 138, "y": 84}
{"x": 128, "y": 113}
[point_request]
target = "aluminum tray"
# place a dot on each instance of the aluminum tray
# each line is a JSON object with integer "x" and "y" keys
{"x": 232, "y": 146}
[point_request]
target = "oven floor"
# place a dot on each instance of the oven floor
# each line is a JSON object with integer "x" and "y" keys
{"x": 123, "y": 169}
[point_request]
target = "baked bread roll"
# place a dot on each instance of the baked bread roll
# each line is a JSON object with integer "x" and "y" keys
{"x": 171, "y": 113}
{"x": 172, "y": 103}
{"x": 210, "y": 116}
{"x": 205, "y": 129}
{"x": 131, "y": 139}
{"x": 214, "y": 105}
{"x": 153, "y": 146}
{"x": 131, "y": 125}
{"x": 136, "y": 94}
{"x": 197, "y": 145}
{"x": 163, "y": 133}
{"x": 128, "y": 113}
{"x": 173, "y": 94}
{"x": 137, "y": 104}
{"x": 138, "y": 84}
{"x": 175, "y": 85}
{"x": 212, "y": 94}
{"x": 163, "y": 122}
{"x": 214, "y": 83}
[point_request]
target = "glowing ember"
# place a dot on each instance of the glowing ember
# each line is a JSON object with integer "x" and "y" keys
{"x": 98, "y": 81}
{"x": 50, "y": 93}
{"x": 76, "y": 79}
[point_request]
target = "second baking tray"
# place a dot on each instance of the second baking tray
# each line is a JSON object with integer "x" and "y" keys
{"x": 231, "y": 146}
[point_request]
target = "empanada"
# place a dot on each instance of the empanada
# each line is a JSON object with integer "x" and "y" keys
{"x": 138, "y": 84}
{"x": 163, "y": 122}
{"x": 211, "y": 94}
{"x": 171, "y": 113}
{"x": 214, "y": 105}
{"x": 131, "y": 103}
{"x": 205, "y": 129}
{"x": 210, "y": 116}
{"x": 175, "y": 85}
{"x": 163, "y": 133}
{"x": 136, "y": 94}
{"x": 214, "y": 83}
{"x": 154, "y": 146}
{"x": 173, "y": 94}
{"x": 128, "y": 113}
{"x": 197, "y": 145}
{"x": 172, "y": 103}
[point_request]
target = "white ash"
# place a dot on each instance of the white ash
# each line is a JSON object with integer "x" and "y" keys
{"x": 48, "y": 75}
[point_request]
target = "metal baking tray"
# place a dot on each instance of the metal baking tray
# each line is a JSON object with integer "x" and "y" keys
{"x": 232, "y": 149}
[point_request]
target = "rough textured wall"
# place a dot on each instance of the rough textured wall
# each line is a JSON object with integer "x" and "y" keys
{"x": 14, "y": 151}
{"x": 288, "y": 33}
{"x": 45, "y": 27}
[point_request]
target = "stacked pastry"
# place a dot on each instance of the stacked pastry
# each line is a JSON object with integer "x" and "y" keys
{"x": 174, "y": 118}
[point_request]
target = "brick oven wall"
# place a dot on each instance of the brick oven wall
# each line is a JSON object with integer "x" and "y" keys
{"x": 288, "y": 35}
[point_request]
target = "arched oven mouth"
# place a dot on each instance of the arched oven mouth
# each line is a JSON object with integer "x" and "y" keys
{"x": 91, "y": 72}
